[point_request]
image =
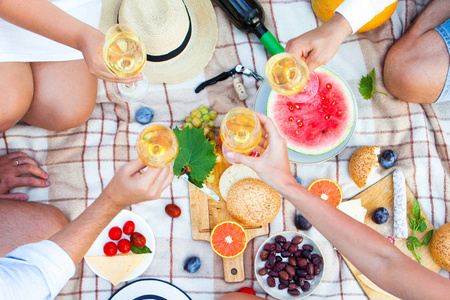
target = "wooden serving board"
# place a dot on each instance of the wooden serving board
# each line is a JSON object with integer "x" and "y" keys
{"x": 381, "y": 194}
{"x": 207, "y": 213}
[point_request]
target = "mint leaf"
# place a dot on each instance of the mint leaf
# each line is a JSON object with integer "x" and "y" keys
{"x": 416, "y": 209}
{"x": 414, "y": 240}
{"x": 367, "y": 85}
{"x": 194, "y": 151}
{"x": 427, "y": 238}
{"x": 140, "y": 250}
{"x": 422, "y": 226}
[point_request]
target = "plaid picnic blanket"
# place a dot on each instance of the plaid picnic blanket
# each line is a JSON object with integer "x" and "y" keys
{"x": 81, "y": 161}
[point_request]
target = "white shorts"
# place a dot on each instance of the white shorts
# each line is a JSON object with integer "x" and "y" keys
{"x": 20, "y": 45}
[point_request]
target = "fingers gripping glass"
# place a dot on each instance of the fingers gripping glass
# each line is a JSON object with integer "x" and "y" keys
{"x": 125, "y": 56}
{"x": 288, "y": 74}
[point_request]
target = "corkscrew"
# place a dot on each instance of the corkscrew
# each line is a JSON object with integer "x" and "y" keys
{"x": 237, "y": 82}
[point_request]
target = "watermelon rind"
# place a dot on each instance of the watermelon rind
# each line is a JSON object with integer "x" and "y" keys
{"x": 350, "y": 111}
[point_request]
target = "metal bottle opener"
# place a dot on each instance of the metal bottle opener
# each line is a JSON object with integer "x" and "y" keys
{"x": 238, "y": 69}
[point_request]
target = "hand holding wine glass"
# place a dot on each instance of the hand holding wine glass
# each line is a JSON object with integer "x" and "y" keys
{"x": 91, "y": 46}
{"x": 124, "y": 55}
{"x": 240, "y": 131}
{"x": 319, "y": 45}
{"x": 288, "y": 74}
{"x": 157, "y": 146}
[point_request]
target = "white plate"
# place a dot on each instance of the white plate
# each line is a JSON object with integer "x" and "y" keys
{"x": 141, "y": 227}
{"x": 261, "y": 106}
{"x": 283, "y": 294}
{"x": 149, "y": 289}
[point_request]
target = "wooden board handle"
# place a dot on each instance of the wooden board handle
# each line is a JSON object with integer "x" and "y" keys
{"x": 233, "y": 269}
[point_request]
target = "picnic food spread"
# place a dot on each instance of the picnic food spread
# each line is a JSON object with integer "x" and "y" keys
{"x": 385, "y": 206}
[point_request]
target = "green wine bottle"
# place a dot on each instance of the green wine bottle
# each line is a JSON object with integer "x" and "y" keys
{"x": 248, "y": 16}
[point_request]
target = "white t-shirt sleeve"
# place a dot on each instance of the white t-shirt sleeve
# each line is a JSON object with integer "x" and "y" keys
{"x": 35, "y": 271}
{"x": 360, "y": 12}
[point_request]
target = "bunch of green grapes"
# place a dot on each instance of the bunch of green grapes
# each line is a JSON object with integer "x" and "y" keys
{"x": 203, "y": 118}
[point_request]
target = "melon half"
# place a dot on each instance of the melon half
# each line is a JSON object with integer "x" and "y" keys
{"x": 319, "y": 125}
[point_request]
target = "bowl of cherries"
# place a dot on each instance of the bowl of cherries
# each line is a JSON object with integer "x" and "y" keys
{"x": 289, "y": 265}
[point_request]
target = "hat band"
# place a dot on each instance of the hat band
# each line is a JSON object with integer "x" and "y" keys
{"x": 174, "y": 53}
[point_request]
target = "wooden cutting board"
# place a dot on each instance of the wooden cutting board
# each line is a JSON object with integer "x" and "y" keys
{"x": 207, "y": 213}
{"x": 381, "y": 194}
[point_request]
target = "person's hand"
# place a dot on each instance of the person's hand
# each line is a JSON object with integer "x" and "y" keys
{"x": 134, "y": 183}
{"x": 92, "y": 49}
{"x": 319, "y": 45}
{"x": 273, "y": 164}
{"x": 17, "y": 170}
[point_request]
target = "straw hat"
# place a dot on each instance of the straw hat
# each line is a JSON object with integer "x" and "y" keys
{"x": 180, "y": 35}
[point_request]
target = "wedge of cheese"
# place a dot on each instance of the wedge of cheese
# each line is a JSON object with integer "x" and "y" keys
{"x": 354, "y": 209}
{"x": 115, "y": 268}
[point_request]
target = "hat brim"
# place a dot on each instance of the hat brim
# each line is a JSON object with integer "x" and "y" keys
{"x": 193, "y": 58}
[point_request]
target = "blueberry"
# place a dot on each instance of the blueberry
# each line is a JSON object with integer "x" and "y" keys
{"x": 298, "y": 180}
{"x": 380, "y": 215}
{"x": 301, "y": 223}
{"x": 144, "y": 115}
{"x": 388, "y": 158}
{"x": 192, "y": 264}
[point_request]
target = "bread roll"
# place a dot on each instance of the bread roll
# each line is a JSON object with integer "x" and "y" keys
{"x": 440, "y": 246}
{"x": 362, "y": 162}
{"x": 252, "y": 202}
{"x": 232, "y": 175}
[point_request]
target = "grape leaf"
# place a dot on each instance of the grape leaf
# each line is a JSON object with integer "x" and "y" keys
{"x": 367, "y": 85}
{"x": 196, "y": 152}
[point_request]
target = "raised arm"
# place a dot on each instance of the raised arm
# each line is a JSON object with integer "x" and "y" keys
{"x": 44, "y": 18}
{"x": 369, "y": 251}
{"x": 319, "y": 45}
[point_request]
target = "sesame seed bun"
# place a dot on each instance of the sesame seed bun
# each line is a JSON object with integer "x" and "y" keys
{"x": 252, "y": 202}
{"x": 362, "y": 163}
{"x": 232, "y": 175}
{"x": 440, "y": 246}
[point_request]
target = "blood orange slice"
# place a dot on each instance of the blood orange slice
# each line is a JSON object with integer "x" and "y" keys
{"x": 228, "y": 239}
{"x": 328, "y": 190}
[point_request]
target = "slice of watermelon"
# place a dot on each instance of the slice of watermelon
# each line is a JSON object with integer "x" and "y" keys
{"x": 319, "y": 125}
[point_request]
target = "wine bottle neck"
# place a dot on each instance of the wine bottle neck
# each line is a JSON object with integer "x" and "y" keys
{"x": 259, "y": 30}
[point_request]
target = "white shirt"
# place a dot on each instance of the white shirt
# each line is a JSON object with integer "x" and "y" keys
{"x": 359, "y": 12}
{"x": 35, "y": 271}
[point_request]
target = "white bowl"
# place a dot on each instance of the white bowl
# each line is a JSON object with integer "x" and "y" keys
{"x": 283, "y": 294}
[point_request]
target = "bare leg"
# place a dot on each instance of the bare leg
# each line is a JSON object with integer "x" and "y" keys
{"x": 64, "y": 95}
{"x": 16, "y": 86}
{"x": 27, "y": 222}
{"x": 416, "y": 66}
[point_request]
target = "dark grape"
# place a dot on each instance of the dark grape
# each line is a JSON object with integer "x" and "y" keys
{"x": 192, "y": 264}
{"x": 380, "y": 215}
{"x": 301, "y": 223}
{"x": 388, "y": 158}
{"x": 144, "y": 115}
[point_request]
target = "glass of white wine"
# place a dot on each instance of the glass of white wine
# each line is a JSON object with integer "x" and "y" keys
{"x": 240, "y": 131}
{"x": 157, "y": 146}
{"x": 125, "y": 56}
{"x": 288, "y": 75}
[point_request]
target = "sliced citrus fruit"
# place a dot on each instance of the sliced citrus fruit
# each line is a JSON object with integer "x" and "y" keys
{"x": 328, "y": 190}
{"x": 228, "y": 239}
